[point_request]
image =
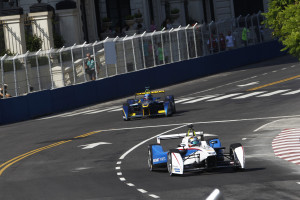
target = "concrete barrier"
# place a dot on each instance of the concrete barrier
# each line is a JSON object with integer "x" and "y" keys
{"x": 62, "y": 99}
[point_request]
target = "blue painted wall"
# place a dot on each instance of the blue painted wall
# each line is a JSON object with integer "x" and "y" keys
{"x": 57, "y": 100}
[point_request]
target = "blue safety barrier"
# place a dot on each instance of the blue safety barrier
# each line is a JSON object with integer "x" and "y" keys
{"x": 46, "y": 102}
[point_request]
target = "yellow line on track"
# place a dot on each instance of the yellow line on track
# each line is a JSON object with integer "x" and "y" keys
{"x": 10, "y": 162}
{"x": 281, "y": 81}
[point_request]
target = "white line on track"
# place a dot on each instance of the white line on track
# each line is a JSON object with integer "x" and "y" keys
{"x": 261, "y": 127}
{"x": 232, "y": 83}
{"x": 292, "y": 92}
{"x": 130, "y": 184}
{"x": 199, "y": 99}
{"x": 142, "y": 191}
{"x": 119, "y": 173}
{"x": 154, "y": 196}
{"x": 248, "y": 95}
{"x": 205, "y": 122}
{"x": 122, "y": 179}
{"x": 118, "y": 168}
{"x": 272, "y": 93}
{"x": 185, "y": 99}
{"x": 224, "y": 97}
{"x": 143, "y": 142}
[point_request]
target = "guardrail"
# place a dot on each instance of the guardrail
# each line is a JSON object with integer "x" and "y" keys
{"x": 55, "y": 68}
{"x": 45, "y": 102}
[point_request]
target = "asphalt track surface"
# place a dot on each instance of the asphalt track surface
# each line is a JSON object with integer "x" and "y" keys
{"x": 46, "y": 158}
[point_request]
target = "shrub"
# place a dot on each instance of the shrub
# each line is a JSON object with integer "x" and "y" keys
{"x": 175, "y": 11}
{"x": 33, "y": 42}
{"x": 129, "y": 17}
{"x": 106, "y": 19}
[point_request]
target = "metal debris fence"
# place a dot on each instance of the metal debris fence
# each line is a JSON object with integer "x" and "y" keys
{"x": 43, "y": 70}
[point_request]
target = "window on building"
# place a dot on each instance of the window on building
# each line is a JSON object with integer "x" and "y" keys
{"x": 244, "y": 7}
{"x": 117, "y": 10}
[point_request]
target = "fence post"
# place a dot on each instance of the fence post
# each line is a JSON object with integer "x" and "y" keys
{"x": 26, "y": 72}
{"x": 178, "y": 43}
{"x": 83, "y": 64}
{"x": 246, "y": 25}
{"x": 187, "y": 44}
{"x": 218, "y": 37}
{"x": 153, "y": 52}
{"x": 143, "y": 50}
{"x": 61, "y": 65}
{"x": 116, "y": 65}
{"x": 95, "y": 60}
{"x": 258, "y": 26}
{"x": 210, "y": 39}
{"x": 50, "y": 69}
{"x": 195, "y": 41}
{"x": 124, "y": 52}
{"x": 2, "y": 75}
{"x": 38, "y": 69}
{"x": 133, "y": 51}
{"x": 15, "y": 74}
{"x": 171, "y": 53}
{"x": 73, "y": 65}
{"x": 252, "y": 29}
{"x": 238, "y": 21}
{"x": 203, "y": 42}
{"x": 162, "y": 45}
{"x": 106, "y": 70}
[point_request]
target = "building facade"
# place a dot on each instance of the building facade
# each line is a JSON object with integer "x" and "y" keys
{"x": 91, "y": 20}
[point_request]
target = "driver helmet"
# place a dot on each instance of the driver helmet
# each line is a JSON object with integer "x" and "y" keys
{"x": 148, "y": 97}
{"x": 194, "y": 141}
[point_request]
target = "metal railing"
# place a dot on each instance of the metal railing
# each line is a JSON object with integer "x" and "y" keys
{"x": 42, "y": 70}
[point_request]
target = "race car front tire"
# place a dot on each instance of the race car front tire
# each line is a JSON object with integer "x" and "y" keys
{"x": 150, "y": 159}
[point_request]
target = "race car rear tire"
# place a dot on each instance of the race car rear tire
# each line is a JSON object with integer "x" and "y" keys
{"x": 169, "y": 161}
{"x": 150, "y": 159}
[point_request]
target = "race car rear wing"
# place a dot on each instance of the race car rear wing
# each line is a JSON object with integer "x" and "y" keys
{"x": 180, "y": 135}
{"x": 152, "y": 92}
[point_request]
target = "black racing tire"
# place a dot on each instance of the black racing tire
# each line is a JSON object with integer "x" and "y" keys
{"x": 150, "y": 159}
{"x": 174, "y": 108}
{"x": 169, "y": 164}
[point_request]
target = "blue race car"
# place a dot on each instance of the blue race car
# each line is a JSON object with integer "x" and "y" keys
{"x": 149, "y": 105}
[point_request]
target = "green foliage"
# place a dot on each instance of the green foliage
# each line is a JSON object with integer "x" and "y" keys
{"x": 175, "y": 11}
{"x": 33, "y": 42}
{"x": 43, "y": 60}
{"x": 129, "y": 17}
{"x": 9, "y": 66}
{"x": 284, "y": 18}
{"x": 7, "y": 52}
{"x": 138, "y": 15}
{"x": 106, "y": 19}
{"x": 58, "y": 41}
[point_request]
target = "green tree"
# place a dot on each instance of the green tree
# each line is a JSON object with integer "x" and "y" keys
{"x": 284, "y": 18}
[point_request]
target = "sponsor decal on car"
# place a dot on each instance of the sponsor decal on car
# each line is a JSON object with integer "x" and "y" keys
{"x": 159, "y": 159}
{"x": 176, "y": 169}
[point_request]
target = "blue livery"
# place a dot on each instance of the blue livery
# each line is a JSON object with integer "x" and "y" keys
{"x": 149, "y": 105}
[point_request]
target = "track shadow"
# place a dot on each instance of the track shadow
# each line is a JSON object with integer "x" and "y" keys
{"x": 209, "y": 172}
